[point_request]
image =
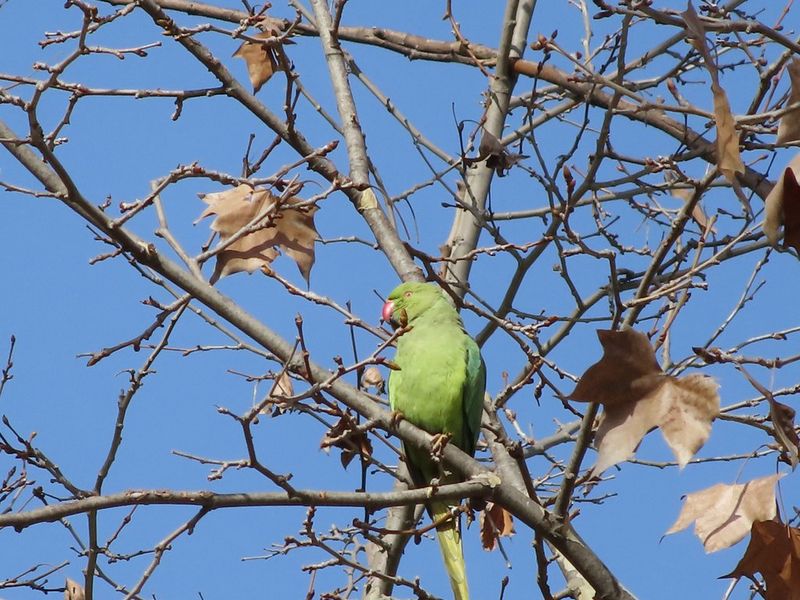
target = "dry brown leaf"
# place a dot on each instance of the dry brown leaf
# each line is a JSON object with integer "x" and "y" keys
{"x": 690, "y": 405}
{"x": 290, "y": 229}
{"x": 773, "y": 551}
{"x": 283, "y": 386}
{"x": 637, "y": 396}
{"x": 345, "y": 436}
{"x": 373, "y": 379}
{"x": 789, "y": 126}
{"x": 620, "y": 375}
{"x": 685, "y": 194}
{"x": 700, "y": 217}
{"x": 682, "y": 408}
{"x": 495, "y": 522}
{"x": 782, "y": 417}
{"x": 782, "y": 207}
{"x": 73, "y": 591}
{"x": 729, "y": 160}
{"x": 622, "y": 427}
{"x": 281, "y": 389}
{"x": 697, "y": 33}
{"x": 261, "y": 60}
{"x": 495, "y": 154}
{"x": 724, "y": 513}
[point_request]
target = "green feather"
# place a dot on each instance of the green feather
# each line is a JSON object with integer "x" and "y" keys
{"x": 439, "y": 388}
{"x": 449, "y": 536}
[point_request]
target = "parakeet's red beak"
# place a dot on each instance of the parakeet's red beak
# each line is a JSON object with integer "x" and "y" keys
{"x": 386, "y": 313}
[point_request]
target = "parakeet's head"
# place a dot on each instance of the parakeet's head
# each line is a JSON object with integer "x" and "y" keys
{"x": 409, "y": 300}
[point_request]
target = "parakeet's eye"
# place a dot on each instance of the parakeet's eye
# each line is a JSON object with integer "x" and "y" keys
{"x": 408, "y": 294}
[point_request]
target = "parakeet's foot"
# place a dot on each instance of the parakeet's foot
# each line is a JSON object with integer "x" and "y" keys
{"x": 396, "y": 417}
{"x": 440, "y": 440}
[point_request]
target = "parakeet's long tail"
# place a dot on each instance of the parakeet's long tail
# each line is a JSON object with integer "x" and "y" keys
{"x": 449, "y": 536}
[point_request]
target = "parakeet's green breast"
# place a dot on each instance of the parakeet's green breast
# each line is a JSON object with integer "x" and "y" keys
{"x": 429, "y": 388}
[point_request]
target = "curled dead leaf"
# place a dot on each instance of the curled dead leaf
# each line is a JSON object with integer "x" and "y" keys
{"x": 729, "y": 159}
{"x": 495, "y": 154}
{"x": 789, "y": 126}
{"x": 782, "y": 207}
{"x": 782, "y": 417}
{"x": 773, "y": 551}
{"x": 275, "y": 223}
{"x": 697, "y": 37}
{"x": 281, "y": 389}
{"x": 283, "y": 386}
{"x": 373, "y": 379}
{"x": 686, "y": 194}
{"x": 724, "y": 513}
{"x": 349, "y": 439}
{"x": 495, "y": 522}
{"x": 260, "y": 57}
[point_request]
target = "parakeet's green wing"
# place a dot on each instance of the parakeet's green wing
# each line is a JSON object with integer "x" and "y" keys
{"x": 474, "y": 388}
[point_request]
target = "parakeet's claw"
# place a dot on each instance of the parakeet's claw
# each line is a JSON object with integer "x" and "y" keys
{"x": 395, "y": 418}
{"x": 440, "y": 440}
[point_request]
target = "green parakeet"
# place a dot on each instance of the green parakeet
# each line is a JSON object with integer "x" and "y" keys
{"x": 439, "y": 387}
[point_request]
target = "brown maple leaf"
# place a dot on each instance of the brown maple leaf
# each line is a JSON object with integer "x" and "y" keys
{"x": 271, "y": 222}
{"x": 789, "y": 126}
{"x": 689, "y": 406}
{"x": 773, "y": 551}
{"x": 621, "y": 375}
{"x": 495, "y": 522}
{"x": 260, "y": 57}
{"x": 637, "y": 396}
{"x": 724, "y": 513}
